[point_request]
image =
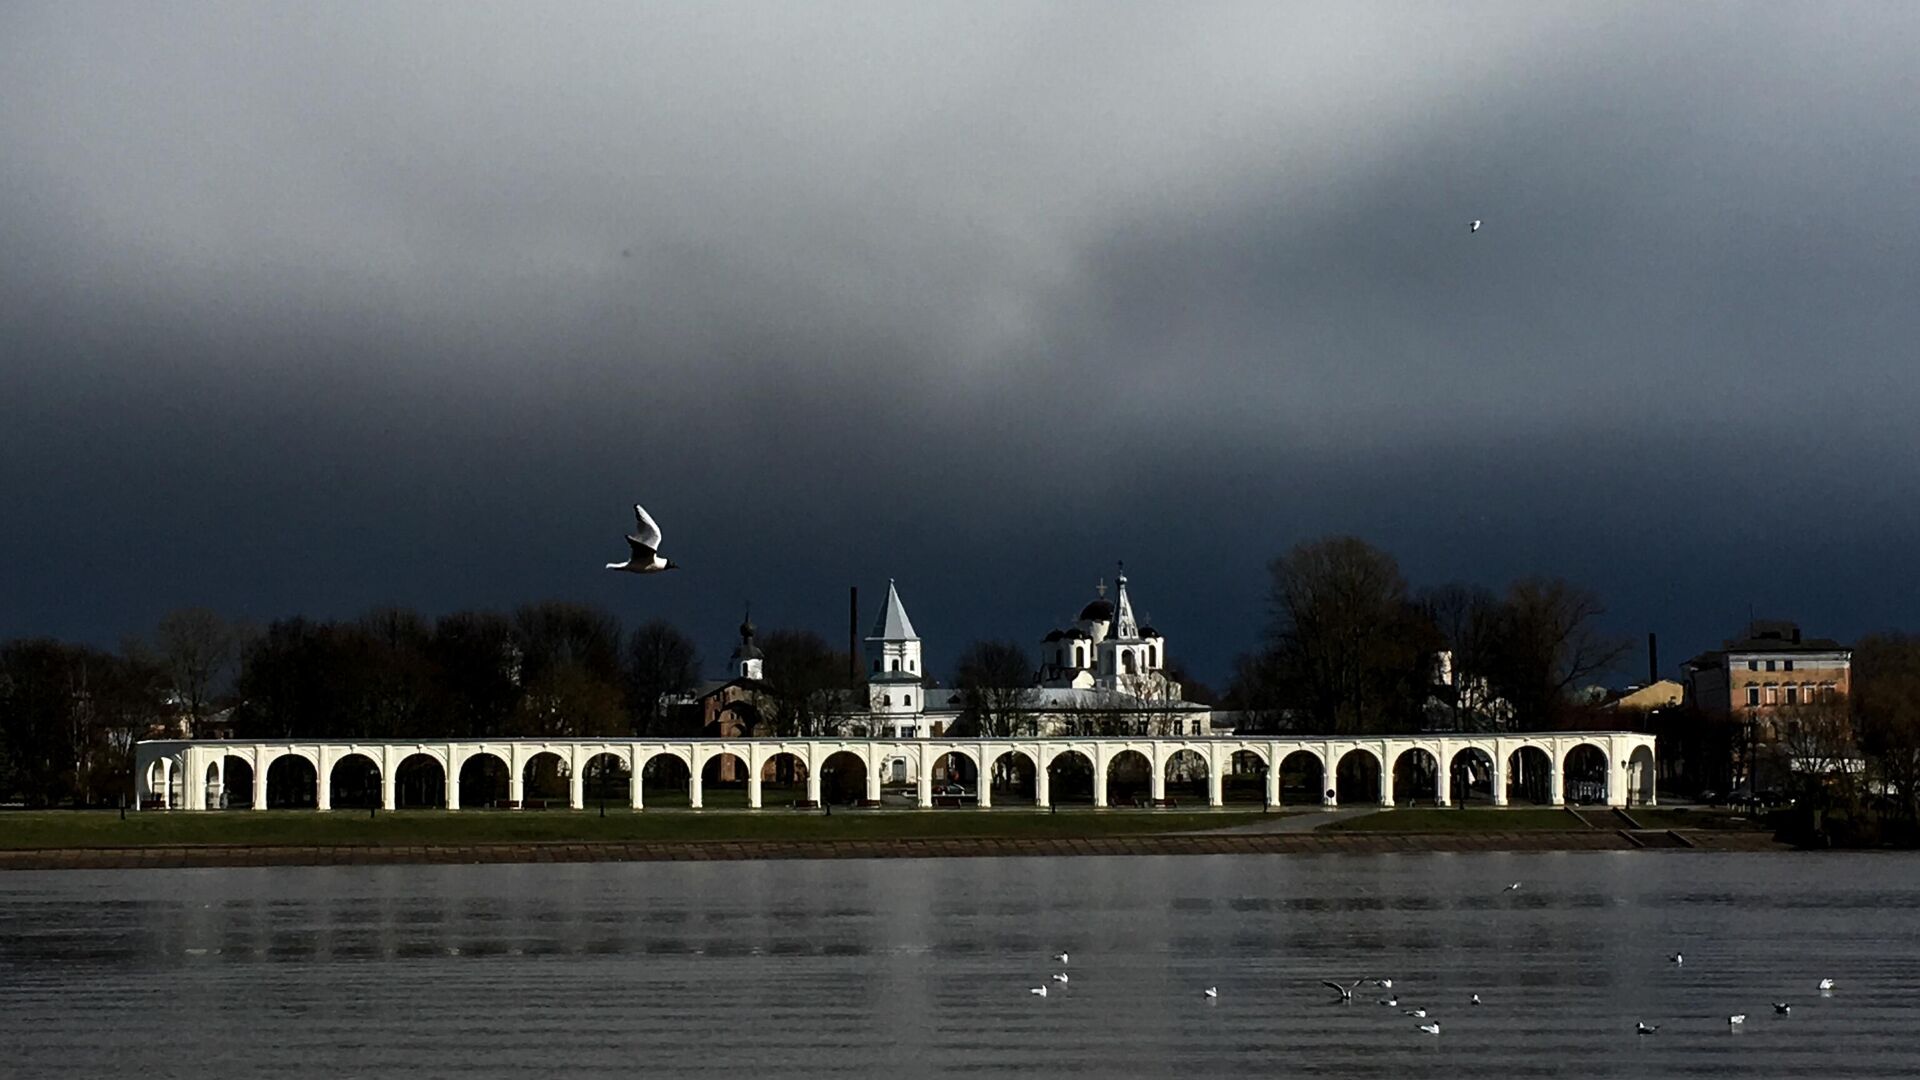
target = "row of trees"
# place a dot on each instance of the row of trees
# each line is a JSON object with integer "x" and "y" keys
{"x": 1353, "y": 649}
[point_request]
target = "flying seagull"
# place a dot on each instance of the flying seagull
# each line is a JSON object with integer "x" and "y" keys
{"x": 1037, "y": 991}
{"x": 645, "y": 545}
{"x": 1736, "y": 1019}
{"x": 1644, "y": 1028}
{"x": 1431, "y": 1029}
{"x": 1345, "y": 992}
{"x": 1060, "y": 978}
{"x": 1473, "y": 226}
{"x": 1782, "y": 1008}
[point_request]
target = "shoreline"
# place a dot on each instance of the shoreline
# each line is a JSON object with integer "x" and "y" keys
{"x": 1302, "y": 843}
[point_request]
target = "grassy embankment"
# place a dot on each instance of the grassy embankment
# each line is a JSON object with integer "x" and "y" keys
{"x": 1535, "y": 819}
{"x": 98, "y": 829}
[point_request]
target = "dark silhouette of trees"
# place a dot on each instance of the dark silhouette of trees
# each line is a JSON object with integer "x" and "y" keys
{"x": 996, "y": 684}
{"x": 198, "y": 648}
{"x": 1547, "y": 645}
{"x": 69, "y": 716}
{"x": 809, "y": 693}
{"x": 1886, "y": 710}
{"x": 662, "y": 666}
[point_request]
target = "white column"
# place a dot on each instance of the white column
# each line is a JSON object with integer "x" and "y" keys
{"x": 1042, "y": 785}
{"x": 166, "y": 783}
{"x": 387, "y": 800}
{"x": 516, "y": 782}
{"x": 1555, "y": 795}
{"x": 577, "y": 786}
{"x": 984, "y": 797}
{"x": 1099, "y": 781}
{"x": 1273, "y": 782}
{"x": 1618, "y": 781}
{"x": 1386, "y": 785}
{"x": 453, "y": 786}
{"x": 322, "y": 779}
{"x": 1158, "y": 787}
{"x": 813, "y": 785}
{"x": 875, "y": 763}
{"x": 635, "y": 782}
{"x": 259, "y": 778}
{"x": 926, "y": 783}
{"x": 1443, "y": 775}
{"x": 694, "y": 785}
{"x": 1216, "y": 788}
{"x": 753, "y": 789}
{"x": 1499, "y": 784}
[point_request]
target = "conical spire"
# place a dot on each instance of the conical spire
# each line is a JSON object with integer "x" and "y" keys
{"x": 893, "y": 624}
{"x": 1124, "y": 625}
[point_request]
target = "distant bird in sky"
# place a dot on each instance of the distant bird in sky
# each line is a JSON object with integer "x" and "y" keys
{"x": 1431, "y": 1029}
{"x": 1782, "y": 1008}
{"x": 1644, "y": 1028}
{"x": 1345, "y": 992}
{"x": 1826, "y": 984}
{"x": 1062, "y": 957}
{"x": 1474, "y": 226}
{"x": 1736, "y": 1019}
{"x": 1212, "y": 992}
{"x": 1060, "y": 978}
{"x": 1037, "y": 991}
{"x": 645, "y": 544}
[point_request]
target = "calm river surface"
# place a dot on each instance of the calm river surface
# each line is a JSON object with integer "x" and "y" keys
{"x": 914, "y": 968}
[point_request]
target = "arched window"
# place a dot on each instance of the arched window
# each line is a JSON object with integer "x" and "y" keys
{"x": 908, "y": 700}
{"x": 896, "y": 665}
{"x": 1153, "y": 656}
{"x": 1079, "y": 656}
{"x": 1126, "y": 661}
{"x": 910, "y": 665}
{"x": 886, "y": 699}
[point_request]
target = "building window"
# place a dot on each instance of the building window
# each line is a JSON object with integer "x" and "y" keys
{"x": 1786, "y": 665}
{"x": 886, "y": 699}
{"x": 1753, "y": 665}
{"x": 907, "y": 700}
{"x": 1769, "y": 665}
{"x": 910, "y": 665}
{"x": 1753, "y": 695}
{"x": 1793, "y": 694}
{"x": 896, "y": 665}
{"x": 1773, "y": 694}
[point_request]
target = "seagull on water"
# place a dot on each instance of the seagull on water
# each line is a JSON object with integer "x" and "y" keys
{"x": 1782, "y": 1008}
{"x": 1736, "y": 1019}
{"x": 1060, "y": 956}
{"x": 1473, "y": 226}
{"x": 1345, "y": 992}
{"x": 1037, "y": 991}
{"x": 1060, "y": 978}
{"x": 1211, "y": 992}
{"x": 1418, "y": 1014}
{"x": 1475, "y": 1001}
{"x": 1826, "y": 984}
{"x": 645, "y": 544}
{"x": 1431, "y": 1029}
{"x": 1677, "y": 958}
{"x": 1515, "y": 887}
{"x": 1384, "y": 984}
{"x": 1644, "y": 1028}
{"x": 1390, "y": 1002}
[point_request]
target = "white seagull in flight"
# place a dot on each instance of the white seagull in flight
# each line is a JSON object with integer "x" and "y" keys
{"x": 1473, "y": 226}
{"x": 645, "y": 545}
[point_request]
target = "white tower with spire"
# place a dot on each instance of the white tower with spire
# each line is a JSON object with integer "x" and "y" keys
{"x": 895, "y": 690}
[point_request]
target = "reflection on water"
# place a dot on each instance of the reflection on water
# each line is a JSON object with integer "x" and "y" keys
{"x": 909, "y": 968}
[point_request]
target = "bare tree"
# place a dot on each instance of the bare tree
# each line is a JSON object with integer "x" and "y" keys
{"x": 662, "y": 667}
{"x": 1467, "y": 620}
{"x": 997, "y": 692}
{"x": 1548, "y": 645}
{"x": 1886, "y": 706}
{"x": 197, "y": 648}
{"x": 809, "y": 692}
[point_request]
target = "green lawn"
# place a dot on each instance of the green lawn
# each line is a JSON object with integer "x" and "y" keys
{"x": 1653, "y": 817}
{"x": 87, "y": 828}
{"x": 1436, "y": 820}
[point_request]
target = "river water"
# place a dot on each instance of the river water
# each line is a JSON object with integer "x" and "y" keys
{"x": 908, "y": 968}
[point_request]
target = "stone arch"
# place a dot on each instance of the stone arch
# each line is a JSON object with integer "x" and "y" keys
{"x": 723, "y": 772}
{"x": 485, "y": 780}
{"x": 1126, "y": 662}
{"x": 1356, "y": 776}
{"x": 1015, "y": 779}
{"x": 740, "y": 719}
{"x": 157, "y": 782}
{"x": 665, "y": 779}
{"x": 293, "y": 782}
{"x": 1070, "y": 776}
{"x": 783, "y": 777}
{"x": 1529, "y": 774}
{"x": 1640, "y": 777}
{"x": 419, "y": 782}
{"x": 1471, "y": 776}
{"x": 353, "y": 782}
{"x": 606, "y": 779}
{"x": 236, "y": 783}
{"x": 1303, "y": 779}
{"x": 1586, "y": 774}
{"x": 1416, "y": 777}
{"x": 1129, "y": 777}
{"x": 545, "y": 778}
{"x": 955, "y": 768}
{"x": 1186, "y": 775}
{"x": 843, "y": 778}
{"x": 1246, "y": 777}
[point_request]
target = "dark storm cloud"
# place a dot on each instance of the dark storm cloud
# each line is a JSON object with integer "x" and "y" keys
{"x": 306, "y": 310}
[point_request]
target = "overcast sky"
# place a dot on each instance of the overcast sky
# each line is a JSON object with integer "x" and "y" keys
{"x": 306, "y": 309}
